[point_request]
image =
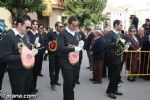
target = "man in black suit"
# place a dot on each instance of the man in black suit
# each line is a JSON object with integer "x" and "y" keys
{"x": 114, "y": 61}
{"x": 54, "y": 64}
{"x": 36, "y": 41}
{"x": 41, "y": 51}
{"x": 2, "y": 64}
{"x": 20, "y": 77}
{"x": 87, "y": 47}
{"x": 68, "y": 43}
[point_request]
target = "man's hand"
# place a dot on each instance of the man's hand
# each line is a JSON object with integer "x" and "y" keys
{"x": 34, "y": 51}
{"x": 81, "y": 44}
{"x": 78, "y": 49}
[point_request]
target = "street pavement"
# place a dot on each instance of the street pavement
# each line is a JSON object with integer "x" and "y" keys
{"x": 138, "y": 90}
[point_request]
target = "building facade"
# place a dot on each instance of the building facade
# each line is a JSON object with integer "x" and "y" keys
{"x": 53, "y": 13}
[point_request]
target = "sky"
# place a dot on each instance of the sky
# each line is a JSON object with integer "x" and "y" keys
{"x": 134, "y": 3}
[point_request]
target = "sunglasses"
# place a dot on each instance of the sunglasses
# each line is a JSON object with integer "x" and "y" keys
{"x": 60, "y": 26}
{"x": 28, "y": 27}
{"x": 132, "y": 31}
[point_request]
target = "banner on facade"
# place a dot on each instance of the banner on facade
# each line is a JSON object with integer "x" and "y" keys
{"x": 57, "y": 4}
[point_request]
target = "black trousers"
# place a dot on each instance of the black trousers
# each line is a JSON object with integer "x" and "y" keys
{"x": 114, "y": 63}
{"x": 21, "y": 81}
{"x": 90, "y": 58}
{"x": 39, "y": 62}
{"x": 70, "y": 76}
{"x": 35, "y": 73}
{"x": 2, "y": 71}
{"x": 45, "y": 56}
{"x": 54, "y": 68}
{"x": 79, "y": 67}
{"x": 105, "y": 67}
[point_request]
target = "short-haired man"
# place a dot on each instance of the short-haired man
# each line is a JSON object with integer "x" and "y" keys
{"x": 20, "y": 77}
{"x": 54, "y": 65}
{"x": 68, "y": 43}
{"x": 114, "y": 61}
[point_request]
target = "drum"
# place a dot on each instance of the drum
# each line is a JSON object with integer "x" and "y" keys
{"x": 52, "y": 45}
{"x": 73, "y": 57}
{"x": 27, "y": 57}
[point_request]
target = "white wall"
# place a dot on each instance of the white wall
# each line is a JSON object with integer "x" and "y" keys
{"x": 56, "y": 16}
{"x": 33, "y": 15}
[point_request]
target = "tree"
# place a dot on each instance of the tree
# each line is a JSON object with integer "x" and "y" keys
{"x": 87, "y": 11}
{"x": 22, "y": 6}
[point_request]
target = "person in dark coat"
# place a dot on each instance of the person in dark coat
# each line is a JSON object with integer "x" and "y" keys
{"x": 3, "y": 65}
{"x": 132, "y": 58}
{"x": 20, "y": 77}
{"x": 105, "y": 64}
{"x": 114, "y": 60}
{"x": 36, "y": 41}
{"x": 98, "y": 52}
{"x": 134, "y": 21}
{"x": 145, "y": 46}
{"x": 81, "y": 37}
{"x": 54, "y": 64}
{"x": 41, "y": 51}
{"x": 68, "y": 43}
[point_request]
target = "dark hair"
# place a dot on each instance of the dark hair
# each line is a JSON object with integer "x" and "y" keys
{"x": 39, "y": 25}
{"x": 56, "y": 24}
{"x": 22, "y": 18}
{"x": 116, "y": 22}
{"x": 34, "y": 21}
{"x": 65, "y": 24}
{"x": 132, "y": 27}
{"x": 147, "y": 19}
{"x": 71, "y": 19}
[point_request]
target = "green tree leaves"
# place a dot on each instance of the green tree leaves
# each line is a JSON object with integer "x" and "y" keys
{"x": 22, "y": 6}
{"x": 87, "y": 11}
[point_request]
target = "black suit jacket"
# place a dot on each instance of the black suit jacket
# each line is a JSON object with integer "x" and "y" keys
{"x": 111, "y": 42}
{"x": 88, "y": 42}
{"x": 11, "y": 51}
{"x": 113, "y": 59}
{"x": 64, "y": 40}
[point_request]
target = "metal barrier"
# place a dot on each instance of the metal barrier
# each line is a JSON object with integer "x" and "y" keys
{"x": 137, "y": 63}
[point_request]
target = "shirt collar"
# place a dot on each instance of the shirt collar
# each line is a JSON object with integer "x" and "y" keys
{"x": 117, "y": 32}
{"x": 34, "y": 32}
{"x": 56, "y": 31}
{"x": 16, "y": 32}
{"x": 69, "y": 31}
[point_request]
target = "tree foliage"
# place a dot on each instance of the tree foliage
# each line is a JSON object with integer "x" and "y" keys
{"x": 22, "y": 6}
{"x": 87, "y": 11}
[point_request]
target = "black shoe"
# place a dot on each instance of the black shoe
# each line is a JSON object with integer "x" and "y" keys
{"x": 41, "y": 75}
{"x": 118, "y": 93}
{"x": 58, "y": 84}
{"x": 91, "y": 79}
{"x": 94, "y": 82}
{"x": 78, "y": 82}
{"x": 131, "y": 79}
{"x": 53, "y": 87}
{"x": 1, "y": 98}
{"x": 104, "y": 76}
{"x": 111, "y": 95}
{"x": 35, "y": 91}
{"x": 121, "y": 81}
